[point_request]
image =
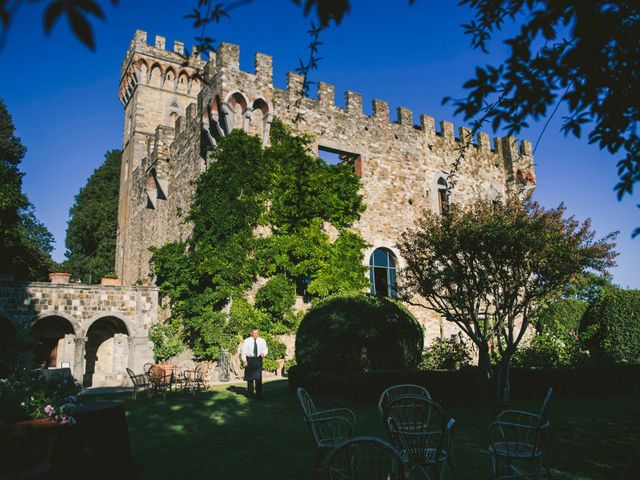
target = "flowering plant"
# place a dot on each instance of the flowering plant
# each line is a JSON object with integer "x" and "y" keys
{"x": 64, "y": 414}
{"x": 26, "y": 393}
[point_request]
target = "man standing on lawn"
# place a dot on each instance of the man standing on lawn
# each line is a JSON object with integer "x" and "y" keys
{"x": 253, "y": 351}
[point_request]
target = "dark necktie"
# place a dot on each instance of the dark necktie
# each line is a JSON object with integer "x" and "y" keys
{"x": 255, "y": 347}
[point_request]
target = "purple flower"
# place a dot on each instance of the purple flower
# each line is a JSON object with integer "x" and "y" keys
{"x": 67, "y": 420}
{"x": 49, "y": 410}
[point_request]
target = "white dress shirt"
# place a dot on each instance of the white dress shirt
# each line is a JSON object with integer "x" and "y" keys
{"x": 247, "y": 348}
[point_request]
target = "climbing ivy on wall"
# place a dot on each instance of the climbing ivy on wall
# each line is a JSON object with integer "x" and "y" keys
{"x": 276, "y": 212}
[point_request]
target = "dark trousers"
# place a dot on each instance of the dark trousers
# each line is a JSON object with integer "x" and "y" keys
{"x": 258, "y": 387}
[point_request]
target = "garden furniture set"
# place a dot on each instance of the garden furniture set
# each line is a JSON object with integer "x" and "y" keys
{"x": 419, "y": 444}
{"x": 158, "y": 379}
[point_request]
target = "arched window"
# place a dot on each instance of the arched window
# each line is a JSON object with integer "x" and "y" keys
{"x": 443, "y": 201}
{"x": 382, "y": 273}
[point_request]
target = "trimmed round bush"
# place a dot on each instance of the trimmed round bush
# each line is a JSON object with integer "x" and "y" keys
{"x": 611, "y": 326}
{"x": 358, "y": 332}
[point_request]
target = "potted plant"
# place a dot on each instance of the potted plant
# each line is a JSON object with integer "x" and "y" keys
{"x": 167, "y": 343}
{"x": 111, "y": 280}
{"x": 59, "y": 277}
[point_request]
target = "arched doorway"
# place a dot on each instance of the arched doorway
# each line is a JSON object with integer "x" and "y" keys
{"x": 49, "y": 332}
{"x": 7, "y": 331}
{"x": 106, "y": 352}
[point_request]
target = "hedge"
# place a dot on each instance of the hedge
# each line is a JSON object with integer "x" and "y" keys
{"x": 469, "y": 384}
{"x": 611, "y": 326}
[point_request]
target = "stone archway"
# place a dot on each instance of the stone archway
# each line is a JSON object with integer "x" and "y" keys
{"x": 50, "y": 332}
{"x": 106, "y": 352}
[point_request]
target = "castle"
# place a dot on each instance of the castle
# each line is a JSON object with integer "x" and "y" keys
{"x": 176, "y": 105}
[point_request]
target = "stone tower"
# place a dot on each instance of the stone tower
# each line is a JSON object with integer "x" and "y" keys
{"x": 156, "y": 86}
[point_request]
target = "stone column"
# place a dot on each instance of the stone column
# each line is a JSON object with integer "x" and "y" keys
{"x": 79, "y": 363}
{"x": 120, "y": 357}
{"x": 66, "y": 351}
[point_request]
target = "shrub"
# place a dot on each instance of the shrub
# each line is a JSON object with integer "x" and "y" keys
{"x": 446, "y": 355}
{"x": 276, "y": 298}
{"x": 167, "y": 340}
{"x": 277, "y": 350}
{"x": 548, "y": 350}
{"x": 611, "y": 326}
{"x": 358, "y": 332}
{"x": 562, "y": 316}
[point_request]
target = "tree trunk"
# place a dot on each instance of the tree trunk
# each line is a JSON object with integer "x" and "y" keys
{"x": 503, "y": 381}
{"x": 484, "y": 361}
{"x": 498, "y": 375}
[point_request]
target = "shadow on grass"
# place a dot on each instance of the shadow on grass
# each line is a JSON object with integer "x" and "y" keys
{"x": 223, "y": 434}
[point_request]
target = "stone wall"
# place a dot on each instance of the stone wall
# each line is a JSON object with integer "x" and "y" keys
{"x": 400, "y": 162}
{"x": 113, "y": 321}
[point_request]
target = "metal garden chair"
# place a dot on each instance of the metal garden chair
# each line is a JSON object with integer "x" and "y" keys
{"x": 419, "y": 429}
{"x": 140, "y": 382}
{"x": 516, "y": 441}
{"x": 364, "y": 458}
{"x": 328, "y": 427}
{"x": 399, "y": 391}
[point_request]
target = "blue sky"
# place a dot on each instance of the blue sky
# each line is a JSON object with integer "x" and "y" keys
{"x": 64, "y": 103}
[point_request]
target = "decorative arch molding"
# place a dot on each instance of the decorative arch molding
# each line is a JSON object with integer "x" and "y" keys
{"x": 230, "y": 106}
{"x": 400, "y": 263}
{"x": 98, "y": 316}
{"x": 75, "y": 324}
{"x": 266, "y": 110}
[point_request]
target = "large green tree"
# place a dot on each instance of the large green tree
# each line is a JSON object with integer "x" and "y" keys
{"x": 25, "y": 243}
{"x": 93, "y": 222}
{"x": 486, "y": 267}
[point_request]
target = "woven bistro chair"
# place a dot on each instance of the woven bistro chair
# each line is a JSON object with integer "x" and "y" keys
{"x": 140, "y": 382}
{"x": 194, "y": 379}
{"x": 399, "y": 391}
{"x": 159, "y": 379}
{"x": 418, "y": 427}
{"x": 516, "y": 443}
{"x": 364, "y": 458}
{"x": 328, "y": 427}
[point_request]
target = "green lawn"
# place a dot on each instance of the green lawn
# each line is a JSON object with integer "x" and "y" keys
{"x": 221, "y": 434}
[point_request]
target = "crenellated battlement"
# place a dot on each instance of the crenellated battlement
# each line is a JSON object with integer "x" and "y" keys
{"x": 223, "y": 69}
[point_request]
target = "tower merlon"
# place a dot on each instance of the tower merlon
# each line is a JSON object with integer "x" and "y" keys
{"x": 465, "y": 136}
{"x": 428, "y": 124}
{"x": 178, "y": 47}
{"x": 484, "y": 142}
{"x": 228, "y": 57}
{"x": 380, "y": 109}
{"x": 264, "y": 68}
{"x": 526, "y": 148}
{"x": 405, "y": 116}
{"x": 353, "y": 102}
{"x": 446, "y": 129}
{"x": 326, "y": 94}
{"x": 161, "y": 42}
{"x": 295, "y": 84}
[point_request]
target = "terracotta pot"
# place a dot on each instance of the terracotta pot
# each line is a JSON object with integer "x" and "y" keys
{"x": 59, "y": 277}
{"x": 27, "y": 447}
{"x": 111, "y": 282}
{"x": 28, "y": 426}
